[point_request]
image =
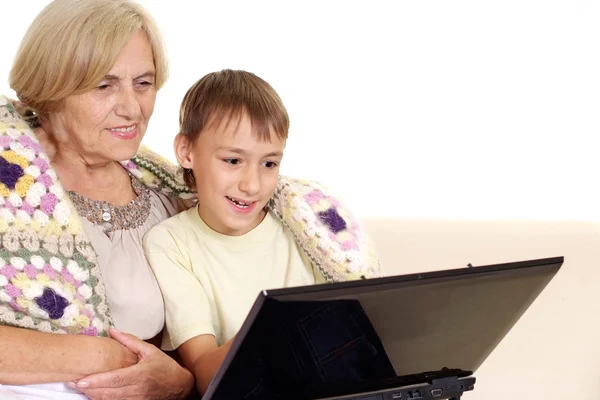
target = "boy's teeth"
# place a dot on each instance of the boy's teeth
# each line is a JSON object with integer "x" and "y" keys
{"x": 238, "y": 203}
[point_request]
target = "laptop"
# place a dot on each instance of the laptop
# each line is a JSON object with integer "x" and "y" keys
{"x": 416, "y": 336}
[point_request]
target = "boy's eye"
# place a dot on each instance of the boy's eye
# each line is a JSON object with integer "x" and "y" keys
{"x": 270, "y": 164}
{"x": 232, "y": 161}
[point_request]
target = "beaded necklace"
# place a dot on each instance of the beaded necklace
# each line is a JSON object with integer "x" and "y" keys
{"x": 112, "y": 218}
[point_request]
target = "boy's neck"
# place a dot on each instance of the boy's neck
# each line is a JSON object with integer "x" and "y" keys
{"x": 214, "y": 223}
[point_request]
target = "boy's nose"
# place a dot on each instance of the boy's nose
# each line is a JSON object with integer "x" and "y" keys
{"x": 250, "y": 184}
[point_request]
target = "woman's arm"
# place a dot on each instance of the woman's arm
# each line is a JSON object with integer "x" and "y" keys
{"x": 30, "y": 357}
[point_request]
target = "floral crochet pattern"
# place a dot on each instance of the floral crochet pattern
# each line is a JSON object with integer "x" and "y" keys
{"x": 320, "y": 222}
{"x": 9, "y": 175}
{"x": 157, "y": 173}
{"x": 49, "y": 279}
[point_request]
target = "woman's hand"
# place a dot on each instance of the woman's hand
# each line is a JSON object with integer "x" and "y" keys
{"x": 156, "y": 376}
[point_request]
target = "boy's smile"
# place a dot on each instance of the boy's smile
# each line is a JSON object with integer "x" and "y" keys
{"x": 241, "y": 206}
{"x": 235, "y": 174}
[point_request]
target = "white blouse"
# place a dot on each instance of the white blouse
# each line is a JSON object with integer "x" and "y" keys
{"x": 134, "y": 298}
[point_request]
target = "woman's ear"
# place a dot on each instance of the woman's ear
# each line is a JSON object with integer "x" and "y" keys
{"x": 183, "y": 151}
{"x": 47, "y": 140}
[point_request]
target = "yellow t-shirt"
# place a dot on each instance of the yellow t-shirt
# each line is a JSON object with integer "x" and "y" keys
{"x": 209, "y": 281}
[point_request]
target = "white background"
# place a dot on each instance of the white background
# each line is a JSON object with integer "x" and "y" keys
{"x": 453, "y": 109}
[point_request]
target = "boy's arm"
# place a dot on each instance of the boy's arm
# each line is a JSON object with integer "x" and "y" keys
{"x": 203, "y": 357}
{"x": 187, "y": 307}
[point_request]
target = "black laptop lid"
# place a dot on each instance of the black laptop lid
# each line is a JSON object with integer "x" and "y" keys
{"x": 296, "y": 341}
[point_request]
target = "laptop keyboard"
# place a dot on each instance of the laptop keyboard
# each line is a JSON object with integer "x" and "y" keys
{"x": 387, "y": 383}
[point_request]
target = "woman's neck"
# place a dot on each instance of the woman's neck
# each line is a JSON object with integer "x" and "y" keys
{"x": 99, "y": 180}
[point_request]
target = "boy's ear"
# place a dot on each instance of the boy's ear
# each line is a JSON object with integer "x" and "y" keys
{"x": 183, "y": 151}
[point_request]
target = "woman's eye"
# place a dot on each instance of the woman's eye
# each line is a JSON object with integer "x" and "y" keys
{"x": 145, "y": 83}
{"x": 103, "y": 86}
{"x": 232, "y": 161}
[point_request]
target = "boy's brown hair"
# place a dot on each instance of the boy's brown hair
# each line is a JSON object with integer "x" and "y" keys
{"x": 225, "y": 96}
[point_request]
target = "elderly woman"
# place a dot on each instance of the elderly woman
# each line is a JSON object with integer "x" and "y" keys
{"x": 91, "y": 70}
{"x": 76, "y": 197}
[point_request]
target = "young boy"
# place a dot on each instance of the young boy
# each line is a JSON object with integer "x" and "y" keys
{"x": 212, "y": 260}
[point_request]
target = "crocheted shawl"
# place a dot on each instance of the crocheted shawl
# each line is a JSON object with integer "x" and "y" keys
{"x": 49, "y": 274}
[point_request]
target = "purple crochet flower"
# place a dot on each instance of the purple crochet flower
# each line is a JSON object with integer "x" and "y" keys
{"x": 333, "y": 220}
{"x": 9, "y": 272}
{"x": 6, "y": 141}
{"x": 349, "y": 245}
{"x": 48, "y": 270}
{"x": 52, "y": 303}
{"x": 45, "y": 180}
{"x": 15, "y": 306}
{"x": 30, "y": 271}
{"x": 130, "y": 165}
{"x": 48, "y": 202}
{"x": 314, "y": 197}
{"x": 12, "y": 290}
{"x": 69, "y": 278}
{"x": 28, "y": 208}
{"x": 10, "y": 173}
{"x": 10, "y": 206}
{"x": 29, "y": 142}
{"x": 41, "y": 164}
{"x": 91, "y": 331}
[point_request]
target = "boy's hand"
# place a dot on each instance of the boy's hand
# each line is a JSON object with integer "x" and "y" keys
{"x": 155, "y": 377}
{"x": 117, "y": 356}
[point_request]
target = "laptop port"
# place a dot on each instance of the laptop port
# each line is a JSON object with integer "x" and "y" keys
{"x": 436, "y": 392}
{"x": 396, "y": 395}
{"x": 414, "y": 394}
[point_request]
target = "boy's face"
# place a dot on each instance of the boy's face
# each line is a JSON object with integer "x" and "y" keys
{"x": 235, "y": 175}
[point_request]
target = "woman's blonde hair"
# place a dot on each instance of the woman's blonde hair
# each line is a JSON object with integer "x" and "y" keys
{"x": 73, "y": 44}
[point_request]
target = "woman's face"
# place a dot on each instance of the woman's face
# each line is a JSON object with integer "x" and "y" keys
{"x": 109, "y": 122}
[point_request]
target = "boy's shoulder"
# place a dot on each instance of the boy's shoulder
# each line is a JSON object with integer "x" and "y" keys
{"x": 175, "y": 227}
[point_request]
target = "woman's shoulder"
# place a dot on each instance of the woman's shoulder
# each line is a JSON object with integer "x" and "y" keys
{"x": 326, "y": 229}
{"x": 43, "y": 242}
{"x": 8, "y": 112}
{"x": 16, "y": 113}
{"x": 158, "y": 173}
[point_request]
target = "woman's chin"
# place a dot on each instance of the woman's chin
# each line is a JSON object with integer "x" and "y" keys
{"x": 125, "y": 150}
{"x": 124, "y": 154}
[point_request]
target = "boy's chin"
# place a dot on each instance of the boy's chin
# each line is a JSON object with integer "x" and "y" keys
{"x": 241, "y": 226}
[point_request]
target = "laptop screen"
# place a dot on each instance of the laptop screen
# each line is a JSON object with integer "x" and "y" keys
{"x": 340, "y": 337}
